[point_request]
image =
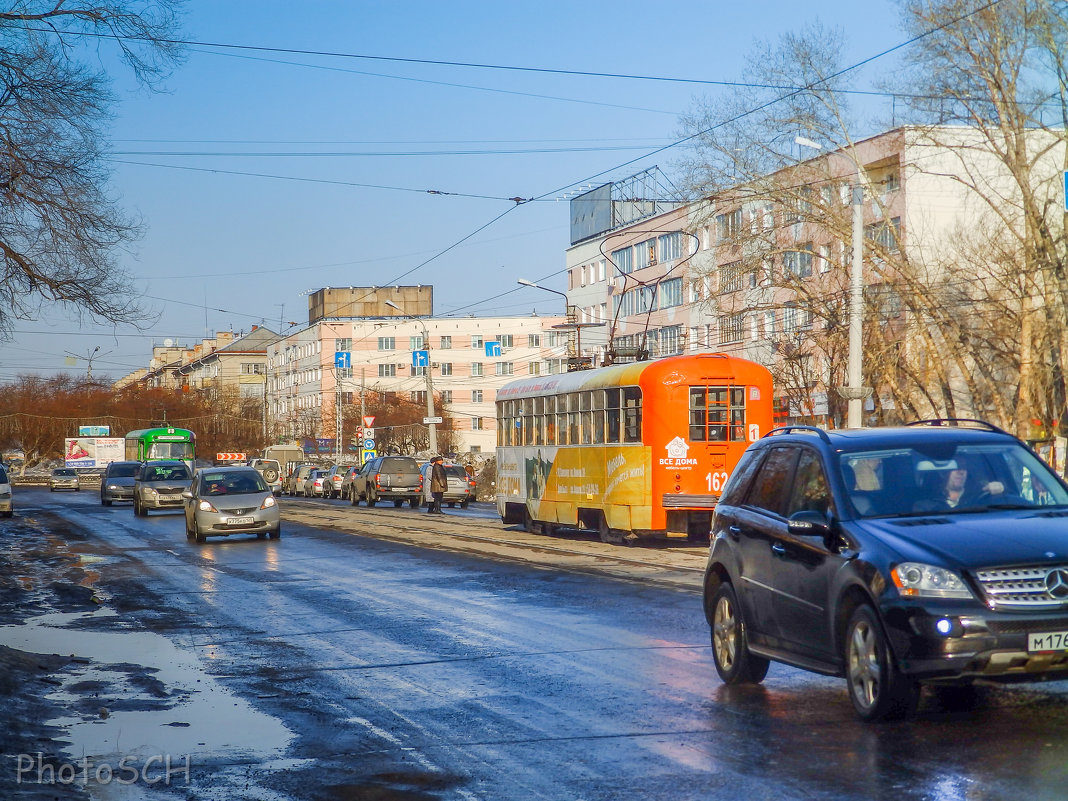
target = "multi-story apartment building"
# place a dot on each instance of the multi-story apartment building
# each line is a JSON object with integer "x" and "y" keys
{"x": 233, "y": 371}
{"x": 304, "y": 381}
{"x": 762, "y": 270}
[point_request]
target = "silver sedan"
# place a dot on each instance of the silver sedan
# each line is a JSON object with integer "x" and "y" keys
{"x": 230, "y": 500}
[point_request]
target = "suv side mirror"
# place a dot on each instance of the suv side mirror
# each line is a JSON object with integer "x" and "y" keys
{"x": 809, "y": 524}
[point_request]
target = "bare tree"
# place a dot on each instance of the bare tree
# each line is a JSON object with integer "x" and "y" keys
{"x": 60, "y": 231}
{"x": 960, "y": 326}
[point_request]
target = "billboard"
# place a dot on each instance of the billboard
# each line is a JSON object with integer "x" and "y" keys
{"x": 93, "y": 451}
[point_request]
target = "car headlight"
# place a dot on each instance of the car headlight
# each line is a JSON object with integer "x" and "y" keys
{"x": 268, "y": 502}
{"x": 205, "y": 506}
{"x": 152, "y": 492}
{"x": 917, "y": 580}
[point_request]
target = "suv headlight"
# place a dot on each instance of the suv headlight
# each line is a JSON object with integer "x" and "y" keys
{"x": 917, "y": 580}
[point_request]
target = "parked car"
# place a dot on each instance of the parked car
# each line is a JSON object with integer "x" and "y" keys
{"x": 7, "y": 503}
{"x": 926, "y": 554}
{"x": 295, "y": 482}
{"x": 224, "y": 501}
{"x": 314, "y": 484}
{"x": 461, "y": 486}
{"x": 334, "y": 477}
{"x": 64, "y": 478}
{"x": 346, "y": 480}
{"x": 388, "y": 478}
{"x": 271, "y": 472}
{"x": 159, "y": 485}
{"x": 117, "y": 483}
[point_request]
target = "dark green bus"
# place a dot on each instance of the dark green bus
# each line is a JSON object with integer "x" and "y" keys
{"x": 161, "y": 443}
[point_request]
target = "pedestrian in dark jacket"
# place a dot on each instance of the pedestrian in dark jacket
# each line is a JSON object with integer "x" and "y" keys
{"x": 439, "y": 482}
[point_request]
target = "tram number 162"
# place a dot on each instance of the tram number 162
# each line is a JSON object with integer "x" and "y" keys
{"x": 716, "y": 481}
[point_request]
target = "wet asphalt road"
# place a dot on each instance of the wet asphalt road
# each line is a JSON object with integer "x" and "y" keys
{"x": 403, "y": 672}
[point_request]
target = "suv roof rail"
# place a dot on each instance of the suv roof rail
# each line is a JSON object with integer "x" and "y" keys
{"x": 799, "y": 429}
{"x": 956, "y": 422}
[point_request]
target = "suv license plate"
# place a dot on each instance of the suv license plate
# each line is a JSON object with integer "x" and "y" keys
{"x": 1047, "y": 641}
{"x": 240, "y": 521}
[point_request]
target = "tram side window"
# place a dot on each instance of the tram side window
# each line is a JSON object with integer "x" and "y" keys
{"x": 586, "y": 416}
{"x": 612, "y": 414}
{"x": 573, "y": 419}
{"x": 561, "y": 420}
{"x": 598, "y": 416}
{"x": 550, "y": 420}
{"x": 632, "y": 414}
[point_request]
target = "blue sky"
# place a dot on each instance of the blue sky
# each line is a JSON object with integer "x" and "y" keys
{"x": 225, "y": 250}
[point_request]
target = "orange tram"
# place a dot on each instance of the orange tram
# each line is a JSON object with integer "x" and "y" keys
{"x": 637, "y": 450}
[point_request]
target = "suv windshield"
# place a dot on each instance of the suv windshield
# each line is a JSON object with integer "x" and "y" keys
{"x": 123, "y": 470}
{"x": 947, "y": 477}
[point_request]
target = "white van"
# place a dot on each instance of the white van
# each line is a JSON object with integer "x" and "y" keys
{"x": 7, "y": 507}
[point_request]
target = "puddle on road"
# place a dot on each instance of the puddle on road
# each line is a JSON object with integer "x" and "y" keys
{"x": 184, "y": 710}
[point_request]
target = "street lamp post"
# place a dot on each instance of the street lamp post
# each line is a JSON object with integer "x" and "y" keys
{"x": 854, "y": 392}
{"x": 429, "y": 380}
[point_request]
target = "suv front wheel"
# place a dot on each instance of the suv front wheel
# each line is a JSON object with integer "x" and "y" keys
{"x": 734, "y": 663}
{"x": 876, "y": 687}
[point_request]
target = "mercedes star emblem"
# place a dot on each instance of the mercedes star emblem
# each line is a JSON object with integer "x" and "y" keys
{"x": 1057, "y": 584}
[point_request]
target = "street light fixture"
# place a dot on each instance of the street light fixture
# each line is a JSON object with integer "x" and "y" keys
{"x": 854, "y": 392}
{"x": 429, "y": 380}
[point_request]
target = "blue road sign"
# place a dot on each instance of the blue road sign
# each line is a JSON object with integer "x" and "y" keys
{"x": 493, "y": 348}
{"x": 342, "y": 359}
{"x": 420, "y": 358}
{"x": 369, "y": 444}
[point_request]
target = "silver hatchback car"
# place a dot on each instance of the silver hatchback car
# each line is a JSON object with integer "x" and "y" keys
{"x": 230, "y": 500}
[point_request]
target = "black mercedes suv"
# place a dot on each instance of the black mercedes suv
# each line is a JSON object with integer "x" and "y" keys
{"x": 933, "y": 553}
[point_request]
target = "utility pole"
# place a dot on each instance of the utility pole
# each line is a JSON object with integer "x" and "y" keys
{"x": 429, "y": 380}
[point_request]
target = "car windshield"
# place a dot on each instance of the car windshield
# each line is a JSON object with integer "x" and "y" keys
{"x": 243, "y": 483}
{"x": 64, "y": 473}
{"x": 123, "y": 470}
{"x": 948, "y": 477}
{"x": 178, "y": 472}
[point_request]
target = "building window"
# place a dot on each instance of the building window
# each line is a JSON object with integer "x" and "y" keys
{"x": 624, "y": 260}
{"x": 728, "y": 225}
{"x": 476, "y": 342}
{"x": 446, "y": 368}
{"x": 730, "y": 328}
{"x": 251, "y": 368}
{"x": 387, "y": 370}
{"x": 420, "y": 371}
{"x": 417, "y": 397}
{"x": 789, "y": 318}
{"x": 504, "y": 368}
{"x": 387, "y": 343}
{"x": 446, "y": 343}
{"x": 505, "y": 340}
{"x": 533, "y": 340}
{"x": 671, "y": 293}
{"x": 730, "y": 277}
{"x": 535, "y": 368}
{"x": 601, "y": 270}
{"x": 476, "y": 396}
{"x": 670, "y": 246}
{"x": 446, "y": 396}
{"x": 798, "y": 262}
{"x": 416, "y": 342}
{"x": 671, "y": 340}
{"x": 644, "y": 254}
{"x": 884, "y": 234}
{"x": 476, "y": 368}
{"x": 476, "y": 424}
{"x": 342, "y": 344}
